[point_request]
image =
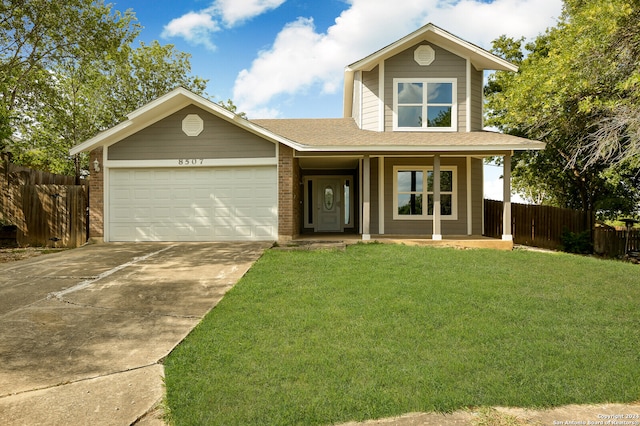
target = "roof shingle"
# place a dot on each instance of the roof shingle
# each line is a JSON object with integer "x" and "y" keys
{"x": 343, "y": 133}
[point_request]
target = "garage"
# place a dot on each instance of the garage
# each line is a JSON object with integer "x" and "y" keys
{"x": 192, "y": 204}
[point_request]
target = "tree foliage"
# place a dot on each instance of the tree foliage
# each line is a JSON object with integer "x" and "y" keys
{"x": 68, "y": 70}
{"x": 578, "y": 90}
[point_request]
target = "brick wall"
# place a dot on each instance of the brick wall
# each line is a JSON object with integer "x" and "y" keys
{"x": 289, "y": 194}
{"x": 96, "y": 196}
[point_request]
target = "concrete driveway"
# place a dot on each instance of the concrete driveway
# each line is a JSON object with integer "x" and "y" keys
{"x": 83, "y": 332}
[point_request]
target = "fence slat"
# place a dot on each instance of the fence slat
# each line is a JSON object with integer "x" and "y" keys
{"x": 52, "y": 215}
{"x": 611, "y": 242}
{"x": 538, "y": 226}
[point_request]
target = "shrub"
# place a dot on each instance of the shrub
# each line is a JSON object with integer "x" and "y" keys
{"x": 577, "y": 242}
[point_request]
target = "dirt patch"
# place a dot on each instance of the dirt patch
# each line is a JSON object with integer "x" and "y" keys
{"x": 596, "y": 414}
{"x": 13, "y": 254}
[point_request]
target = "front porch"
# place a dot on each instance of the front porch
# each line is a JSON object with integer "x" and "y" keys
{"x": 415, "y": 198}
{"x": 457, "y": 241}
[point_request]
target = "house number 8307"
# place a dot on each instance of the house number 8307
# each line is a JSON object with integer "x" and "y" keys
{"x": 190, "y": 161}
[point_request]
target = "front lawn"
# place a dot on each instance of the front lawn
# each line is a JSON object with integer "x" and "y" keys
{"x": 326, "y": 337}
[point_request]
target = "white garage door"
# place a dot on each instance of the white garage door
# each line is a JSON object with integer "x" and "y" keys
{"x": 193, "y": 204}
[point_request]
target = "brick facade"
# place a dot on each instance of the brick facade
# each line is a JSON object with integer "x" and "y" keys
{"x": 96, "y": 196}
{"x": 289, "y": 194}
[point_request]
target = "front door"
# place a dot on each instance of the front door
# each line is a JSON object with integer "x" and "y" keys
{"x": 329, "y": 205}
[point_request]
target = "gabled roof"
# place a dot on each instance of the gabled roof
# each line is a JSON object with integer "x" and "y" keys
{"x": 342, "y": 134}
{"x": 164, "y": 106}
{"x": 480, "y": 58}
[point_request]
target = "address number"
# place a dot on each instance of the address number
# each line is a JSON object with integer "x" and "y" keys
{"x": 190, "y": 161}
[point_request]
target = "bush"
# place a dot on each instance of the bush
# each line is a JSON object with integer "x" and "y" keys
{"x": 577, "y": 242}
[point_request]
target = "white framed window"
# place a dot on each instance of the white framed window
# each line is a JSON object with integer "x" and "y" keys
{"x": 413, "y": 193}
{"x": 427, "y": 104}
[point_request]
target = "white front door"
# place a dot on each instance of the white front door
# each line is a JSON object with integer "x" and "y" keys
{"x": 329, "y": 205}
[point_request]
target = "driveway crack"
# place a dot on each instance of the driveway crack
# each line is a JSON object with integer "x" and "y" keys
{"x": 124, "y": 311}
{"x": 86, "y": 283}
{"x": 84, "y": 379}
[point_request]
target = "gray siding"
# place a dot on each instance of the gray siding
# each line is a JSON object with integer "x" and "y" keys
{"x": 445, "y": 65}
{"x": 165, "y": 140}
{"x": 421, "y": 227}
{"x": 370, "y": 100}
{"x": 476, "y": 99}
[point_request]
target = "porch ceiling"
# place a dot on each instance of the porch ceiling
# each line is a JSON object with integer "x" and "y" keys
{"x": 328, "y": 163}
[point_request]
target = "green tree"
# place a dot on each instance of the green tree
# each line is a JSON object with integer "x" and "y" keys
{"x": 68, "y": 71}
{"x": 89, "y": 96}
{"x": 229, "y": 105}
{"x": 568, "y": 78}
{"x": 36, "y": 36}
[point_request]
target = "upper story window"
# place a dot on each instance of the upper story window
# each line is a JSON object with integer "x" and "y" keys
{"x": 427, "y": 104}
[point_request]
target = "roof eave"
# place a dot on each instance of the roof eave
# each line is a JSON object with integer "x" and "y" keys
{"x": 534, "y": 146}
{"x": 481, "y": 58}
{"x": 165, "y": 106}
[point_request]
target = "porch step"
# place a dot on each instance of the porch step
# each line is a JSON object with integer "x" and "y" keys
{"x": 311, "y": 245}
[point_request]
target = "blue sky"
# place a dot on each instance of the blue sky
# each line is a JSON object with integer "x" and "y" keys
{"x": 285, "y": 58}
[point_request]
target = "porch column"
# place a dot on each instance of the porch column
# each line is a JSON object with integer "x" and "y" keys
{"x": 469, "y": 198}
{"x": 366, "y": 198}
{"x": 437, "y": 232}
{"x": 506, "y": 197}
{"x": 381, "y": 195}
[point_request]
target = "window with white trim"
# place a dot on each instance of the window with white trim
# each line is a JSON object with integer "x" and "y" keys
{"x": 413, "y": 185}
{"x": 427, "y": 104}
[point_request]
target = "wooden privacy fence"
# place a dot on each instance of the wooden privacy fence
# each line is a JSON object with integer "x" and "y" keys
{"x": 50, "y": 215}
{"x": 47, "y": 209}
{"x": 532, "y": 225}
{"x": 611, "y": 242}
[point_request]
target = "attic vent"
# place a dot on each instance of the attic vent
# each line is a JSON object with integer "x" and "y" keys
{"x": 424, "y": 55}
{"x": 192, "y": 125}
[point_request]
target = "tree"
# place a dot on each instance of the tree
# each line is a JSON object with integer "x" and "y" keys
{"x": 560, "y": 96}
{"x": 36, "y": 36}
{"x": 68, "y": 71}
{"x": 229, "y": 105}
{"x": 89, "y": 96}
{"x": 617, "y": 138}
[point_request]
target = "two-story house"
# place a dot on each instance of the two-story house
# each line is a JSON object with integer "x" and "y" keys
{"x": 406, "y": 158}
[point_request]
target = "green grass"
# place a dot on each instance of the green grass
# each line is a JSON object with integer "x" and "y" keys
{"x": 379, "y": 330}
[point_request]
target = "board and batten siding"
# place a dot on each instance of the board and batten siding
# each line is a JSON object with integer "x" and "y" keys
{"x": 370, "y": 99}
{"x": 165, "y": 140}
{"x": 445, "y": 65}
{"x": 476, "y": 99}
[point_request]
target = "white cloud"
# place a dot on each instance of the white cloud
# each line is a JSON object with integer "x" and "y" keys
{"x": 195, "y": 27}
{"x": 235, "y": 11}
{"x": 198, "y": 27}
{"x": 303, "y": 59}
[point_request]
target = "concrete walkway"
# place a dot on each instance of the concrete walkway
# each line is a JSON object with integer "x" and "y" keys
{"x": 82, "y": 332}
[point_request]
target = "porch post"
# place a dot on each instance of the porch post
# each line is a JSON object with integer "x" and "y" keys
{"x": 437, "y": 232}
{"x": 381, "y": 195}
{"x": 469, "y": 198}
{"x": 366, "y": 198}
{"x": 506, "y": 197}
